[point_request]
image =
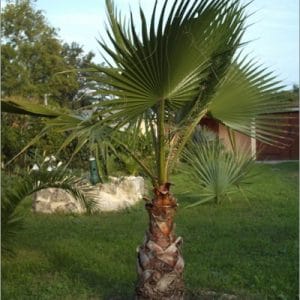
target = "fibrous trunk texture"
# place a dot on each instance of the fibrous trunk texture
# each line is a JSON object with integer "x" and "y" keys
{"x": 160, "y": 263}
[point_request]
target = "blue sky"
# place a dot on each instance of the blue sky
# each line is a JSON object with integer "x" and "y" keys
{"x": 274, "y": 34}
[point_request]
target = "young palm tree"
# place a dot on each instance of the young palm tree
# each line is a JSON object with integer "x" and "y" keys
{"x": 182, "y": 65}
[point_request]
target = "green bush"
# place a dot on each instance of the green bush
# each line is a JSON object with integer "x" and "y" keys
{"x": 217, "y": 172}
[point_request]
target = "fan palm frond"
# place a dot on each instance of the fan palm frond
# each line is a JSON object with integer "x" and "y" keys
{"x": 245, "y": 98}
{"x": 12, "y": 219}
{"x": 21, "y": 106}
{"x": 168, "y": 61}
{"x": 217, "y": 171}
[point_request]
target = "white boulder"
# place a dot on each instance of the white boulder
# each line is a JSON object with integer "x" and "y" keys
{"x": 117, "y": 194}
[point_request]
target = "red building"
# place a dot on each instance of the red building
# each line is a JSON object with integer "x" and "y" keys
{"x": 260, "y": 150}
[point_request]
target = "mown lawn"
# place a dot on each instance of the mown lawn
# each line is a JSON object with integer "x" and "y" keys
{"x": 249, "y": 249}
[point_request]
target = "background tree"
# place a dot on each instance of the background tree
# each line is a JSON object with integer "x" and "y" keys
{"x": 32, "y": 56}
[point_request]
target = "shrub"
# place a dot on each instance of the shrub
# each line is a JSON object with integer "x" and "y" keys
{"x": 217, "y": 171}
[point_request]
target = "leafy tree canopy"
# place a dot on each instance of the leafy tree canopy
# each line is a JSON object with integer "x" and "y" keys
{"x": 32, "y": 56}
{"x": 32, "y": 59}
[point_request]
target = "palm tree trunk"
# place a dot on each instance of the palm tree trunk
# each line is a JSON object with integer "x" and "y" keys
{"x": 160, "y": 263}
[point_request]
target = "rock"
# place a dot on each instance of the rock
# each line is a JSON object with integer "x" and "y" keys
{"x": 120, "y": 193}
{"x": 55, "y": 200}
{"x": 117, "y": 194}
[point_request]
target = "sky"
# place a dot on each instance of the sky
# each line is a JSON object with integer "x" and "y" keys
{"x": 274, "y": 33}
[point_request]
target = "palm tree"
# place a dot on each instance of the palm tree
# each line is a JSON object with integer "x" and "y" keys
{"x": 184, "y": 64}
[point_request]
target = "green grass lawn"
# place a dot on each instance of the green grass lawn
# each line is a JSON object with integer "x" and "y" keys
{"x": 249, "y": 249}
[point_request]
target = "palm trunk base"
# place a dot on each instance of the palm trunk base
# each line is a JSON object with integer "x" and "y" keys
{"x": 160, "y": 272}
{"x": 160, "y": 264}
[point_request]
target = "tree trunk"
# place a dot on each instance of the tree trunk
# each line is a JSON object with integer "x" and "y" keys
{"x": 160, "y": 263}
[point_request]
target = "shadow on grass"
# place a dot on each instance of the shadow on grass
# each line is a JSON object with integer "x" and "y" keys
{"x": 100, "y": 284}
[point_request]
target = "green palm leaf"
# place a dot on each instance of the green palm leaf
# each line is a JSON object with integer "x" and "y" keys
{"x": 217, "y": 172}
{"x": 12, "y": 219}
{"x": 168, "y": 61}
{"x": 244, "y": 99}
{"x": 20, "y": 106}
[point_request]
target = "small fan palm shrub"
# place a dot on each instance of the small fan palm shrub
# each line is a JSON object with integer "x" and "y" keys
{"x": 217, "y": 171}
